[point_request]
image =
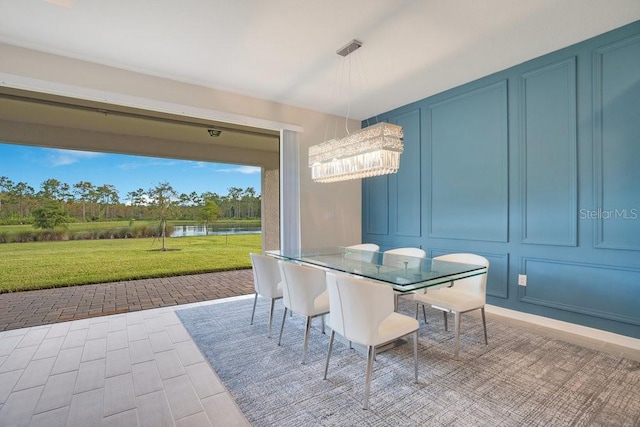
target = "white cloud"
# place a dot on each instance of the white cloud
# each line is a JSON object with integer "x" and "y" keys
{"x": 136, "y": 165}
{"x": 248, "y": 170}
{"x": 58, "y": 157}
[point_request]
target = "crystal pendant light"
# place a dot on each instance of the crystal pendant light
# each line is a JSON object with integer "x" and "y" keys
{"x": 372, "y": 151}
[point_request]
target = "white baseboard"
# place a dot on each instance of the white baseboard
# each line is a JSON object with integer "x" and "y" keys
{"x": 585, "y": 331}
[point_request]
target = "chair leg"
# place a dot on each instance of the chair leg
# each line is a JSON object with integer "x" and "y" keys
{"x": 446, "y": 326}
{"x": 367, "y": 378}
{"x": 254, "y": 308}
{"x": 457, "y": 322}
{"x": 484, "y": 325}
{"x": 305, "y": 343}
{"x": 424, "y": 312}
{"x": 415, "y": 353}
{"x": 326, "y": 365}
{"x": 273, "y": 303}
{"x": 282, "y": 327}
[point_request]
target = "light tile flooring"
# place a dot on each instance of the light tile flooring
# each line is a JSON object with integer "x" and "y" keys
{"x": 135, "y": 369}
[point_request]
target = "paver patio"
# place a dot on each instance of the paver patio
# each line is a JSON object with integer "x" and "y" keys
{"x": 46, "y": 306}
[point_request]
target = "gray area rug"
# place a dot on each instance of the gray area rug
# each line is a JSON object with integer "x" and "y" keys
{"x": 520, "y": 378}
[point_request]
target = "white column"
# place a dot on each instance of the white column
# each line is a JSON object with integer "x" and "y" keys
{"x": 289, "y": 190}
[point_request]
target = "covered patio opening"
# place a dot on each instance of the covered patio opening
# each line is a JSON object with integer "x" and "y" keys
{"x": 54, "y": 121}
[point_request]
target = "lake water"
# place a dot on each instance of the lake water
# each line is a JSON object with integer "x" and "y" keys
{"x": 198, "y": 230}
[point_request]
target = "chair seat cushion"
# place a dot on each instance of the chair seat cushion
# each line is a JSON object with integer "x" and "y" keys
{"x": 396, "y": 325}
{"x": 451, "y": 299}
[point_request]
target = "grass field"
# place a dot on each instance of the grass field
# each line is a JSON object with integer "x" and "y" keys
{"x": 27, "y": 266}
{"x": 26, "y": 233}
{"x": 81, "y": 226}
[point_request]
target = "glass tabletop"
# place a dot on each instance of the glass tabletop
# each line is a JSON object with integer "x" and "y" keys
{"x": 404, "y": 273}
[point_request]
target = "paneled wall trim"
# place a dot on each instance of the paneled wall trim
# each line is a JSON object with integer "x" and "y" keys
{"x": 616, "y": 136}
{"x": 405, "y": 185}
{"x": 535, "y": 167}
{"x": 468, "y": 169}
{"x": 376, "y": 197}
{"x": 548, "y": 160}
{"x": 561, "y": 285}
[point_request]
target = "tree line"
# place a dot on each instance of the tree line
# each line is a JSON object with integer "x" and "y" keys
{"x": 84, "y": 201}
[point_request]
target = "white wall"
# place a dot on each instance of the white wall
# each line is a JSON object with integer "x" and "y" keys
{"x": 330, "y": 213}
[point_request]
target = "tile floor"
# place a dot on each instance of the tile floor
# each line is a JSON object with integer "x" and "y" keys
{"x": 134, "y": 369}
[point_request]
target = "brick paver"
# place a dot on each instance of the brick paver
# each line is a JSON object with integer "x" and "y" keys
{"x": 33, "y": 308}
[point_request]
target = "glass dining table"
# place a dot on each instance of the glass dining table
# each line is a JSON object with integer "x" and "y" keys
{"x": 405, "y": 274}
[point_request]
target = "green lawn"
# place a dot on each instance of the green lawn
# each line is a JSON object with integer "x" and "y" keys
{"x": 26, "y": 266}
{"x": 87, "y": 226}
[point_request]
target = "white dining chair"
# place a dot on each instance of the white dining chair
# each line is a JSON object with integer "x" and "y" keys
{"x": 267, "y": 282}
{"x": 363, "y": 313}
{"x": 366, "y": 252}
{"x": 403, "y": 257}
{"x": 463, "y": 296}
{"x": 305, "y": 293}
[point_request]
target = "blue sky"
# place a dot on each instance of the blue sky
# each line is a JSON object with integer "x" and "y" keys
{"x": 34, "y": 165}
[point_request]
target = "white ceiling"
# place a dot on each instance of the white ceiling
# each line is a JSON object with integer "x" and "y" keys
{"x": 284, "y": 50}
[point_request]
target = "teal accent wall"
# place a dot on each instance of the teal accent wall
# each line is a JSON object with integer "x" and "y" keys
{"x": 537, "y": 168}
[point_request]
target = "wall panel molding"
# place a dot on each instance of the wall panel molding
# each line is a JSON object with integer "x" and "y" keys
{"x": 548, "y": 161}
{"x": 616, "y": 103}
{"x": 376, "y": 205}
{"x": 595, "y": 290}
{"x": 541, "y": 161}
{"x": 405, "y": 189}
{"x": 468, "y": 170}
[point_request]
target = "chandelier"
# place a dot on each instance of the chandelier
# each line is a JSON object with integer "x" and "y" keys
{"x": 372, "y": 151}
